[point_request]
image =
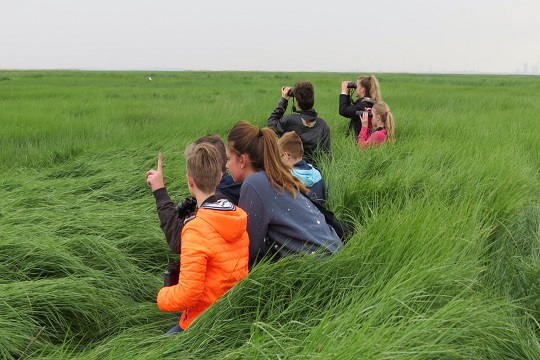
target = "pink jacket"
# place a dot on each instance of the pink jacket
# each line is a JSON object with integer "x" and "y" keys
{"x": 365, "y": 139}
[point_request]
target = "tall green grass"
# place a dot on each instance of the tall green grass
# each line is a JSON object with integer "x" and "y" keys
{"x": 444, "y": 263}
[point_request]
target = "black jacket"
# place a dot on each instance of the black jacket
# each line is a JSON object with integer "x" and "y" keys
{"x": 172, "y": 224}
{"x": 313, "y": 130}
{"x": 349, "y": 110}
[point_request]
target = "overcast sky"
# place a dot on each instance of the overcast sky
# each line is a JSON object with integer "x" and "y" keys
{"x": 306, "y": 35}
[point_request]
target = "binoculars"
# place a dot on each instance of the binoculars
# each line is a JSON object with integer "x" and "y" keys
{"x": 171, "y": 275}
{"x": 370, "y": 114}
{"x": 186, "y": 206}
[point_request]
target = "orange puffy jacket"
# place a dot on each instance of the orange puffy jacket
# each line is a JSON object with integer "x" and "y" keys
{"x": 214, "y": 256}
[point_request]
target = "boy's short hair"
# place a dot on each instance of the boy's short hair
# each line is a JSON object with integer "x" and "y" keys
{"x": 219, "y": 145}
{"x": 203, "y": 164}
{"x": 291, "y": 143}
{"x": 304, "y": 94}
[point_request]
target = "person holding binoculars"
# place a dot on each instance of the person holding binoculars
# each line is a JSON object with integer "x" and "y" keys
{"x": 383, "y": 126}
{"x": 367, "y": 91}
{"x": 313, "y": 130}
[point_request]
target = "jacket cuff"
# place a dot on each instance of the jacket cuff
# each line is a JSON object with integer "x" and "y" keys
{"x": 162, "y": 196}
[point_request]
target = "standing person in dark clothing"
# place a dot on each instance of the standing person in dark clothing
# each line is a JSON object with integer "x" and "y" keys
{"x": 368, "y": 93}
{"x": 313, "y": 130}
{"x": 172, "y": 217}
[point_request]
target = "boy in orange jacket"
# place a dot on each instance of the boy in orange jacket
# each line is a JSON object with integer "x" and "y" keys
{"x": 215, "y": 245}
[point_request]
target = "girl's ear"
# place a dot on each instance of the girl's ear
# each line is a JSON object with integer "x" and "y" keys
{"x": 242, "y": 159}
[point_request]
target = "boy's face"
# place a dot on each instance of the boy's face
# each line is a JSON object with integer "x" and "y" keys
{"x": 286, "y": 158}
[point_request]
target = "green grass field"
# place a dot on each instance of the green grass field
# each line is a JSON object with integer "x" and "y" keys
{"x": 444, "y": 263}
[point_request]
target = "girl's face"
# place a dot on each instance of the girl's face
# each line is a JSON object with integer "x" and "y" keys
{"x": 235, "y": 166}
{"x": 360, "y": 90}
{"x": 376, "y": 120}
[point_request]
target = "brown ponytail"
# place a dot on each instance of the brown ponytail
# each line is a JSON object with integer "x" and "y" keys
{"x": 263, "y": 152}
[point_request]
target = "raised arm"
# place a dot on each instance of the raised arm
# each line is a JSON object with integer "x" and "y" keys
{"x": 279, "y": 110}
{"x": 170, "y": 222}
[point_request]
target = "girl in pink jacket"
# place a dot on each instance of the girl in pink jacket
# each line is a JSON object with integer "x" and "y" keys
{"x": 379, "y": 129}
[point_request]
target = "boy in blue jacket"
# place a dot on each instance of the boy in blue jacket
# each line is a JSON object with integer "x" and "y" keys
{"x": 292, "y": 153}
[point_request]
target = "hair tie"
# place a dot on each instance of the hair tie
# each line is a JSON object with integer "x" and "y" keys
{"x": 387, "y": 111}
{"x": 260, "y": 133}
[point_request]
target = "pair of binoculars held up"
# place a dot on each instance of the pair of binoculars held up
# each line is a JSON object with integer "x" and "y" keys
{"x": 360, "y": 112}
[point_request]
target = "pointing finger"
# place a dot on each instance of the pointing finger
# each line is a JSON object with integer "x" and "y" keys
{"x": 159, "y": 162}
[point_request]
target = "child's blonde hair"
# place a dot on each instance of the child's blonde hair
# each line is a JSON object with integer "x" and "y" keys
{"x": 383, "y": 110}
{"x": 204, "y": 164}
{"x": 291, "y": 143}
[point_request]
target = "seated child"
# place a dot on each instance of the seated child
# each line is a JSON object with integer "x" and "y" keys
{"x": 172, "y": 217}
{"x": 312, "y": 129}
{"x": 292, "y": 152}
{"x": 215, "y": 244}
{"x": 379, "y": 130}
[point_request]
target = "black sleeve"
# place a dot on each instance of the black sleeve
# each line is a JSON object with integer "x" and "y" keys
{"x": 346, "y": 109}
{"x": 277, "y": 114}
{"x": 171, "y": 224}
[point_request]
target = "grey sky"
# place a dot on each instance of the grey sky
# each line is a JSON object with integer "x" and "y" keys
{"x": 305, "y": 35}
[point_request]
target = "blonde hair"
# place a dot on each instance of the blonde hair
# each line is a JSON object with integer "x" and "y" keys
{"x": 371, "y": 84}
{"x": 218, "y": 144}
{"x": 383, "y": 110}
{"x": 203, "y": 164}
{"x": 263, "y": 152}
{"x": 291, "y": 143}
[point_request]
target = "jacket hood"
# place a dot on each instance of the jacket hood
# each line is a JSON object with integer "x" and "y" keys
{"x": 308, "y": 117}
{"x": 229, "y": 188}
{"x": 311, "y": 113}
{"x": 307, "y": 173}
{"x": 227, "y": 219}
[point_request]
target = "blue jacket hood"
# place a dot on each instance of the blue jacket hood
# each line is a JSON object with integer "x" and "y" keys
{"x": 307, "y": 173}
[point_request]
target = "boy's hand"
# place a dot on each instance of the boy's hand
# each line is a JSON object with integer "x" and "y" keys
{"x": 154, "y": 178}
{"x": 285, "y": 92}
